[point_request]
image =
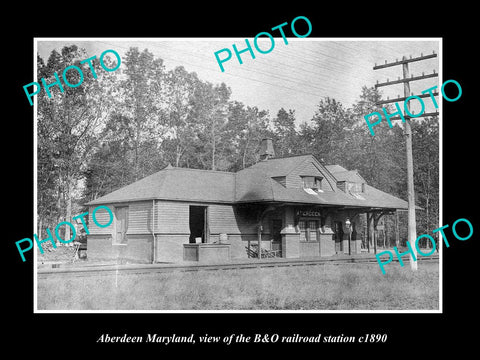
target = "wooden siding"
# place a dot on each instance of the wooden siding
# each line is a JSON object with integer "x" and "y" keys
{"x": 102, "y": 216}
{"x": 172, "y": 217}
{"x": 230, "y": 220}
{"x": 140, "y": 218}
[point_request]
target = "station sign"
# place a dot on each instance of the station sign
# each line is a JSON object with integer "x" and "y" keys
{"x": 308, "y": 213}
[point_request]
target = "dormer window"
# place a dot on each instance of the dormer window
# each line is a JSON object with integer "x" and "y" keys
{"x": 356, "y": 188}
{"x": 312, "y": 182}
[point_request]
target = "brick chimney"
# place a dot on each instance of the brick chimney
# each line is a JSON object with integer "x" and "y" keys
{"x": 266, "y": 149}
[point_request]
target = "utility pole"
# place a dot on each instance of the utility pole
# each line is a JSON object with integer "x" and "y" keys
{"x": 412, "y": 225}
{"x": 412, "y": 222}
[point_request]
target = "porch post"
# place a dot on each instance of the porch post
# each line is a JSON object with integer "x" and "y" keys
{"x": 260, "y": 216}
{"x": 368, "y": 232}
{"x": 385, "y": 232}
{"x": 397, "y": 230}
{"x": 260, "y": 241}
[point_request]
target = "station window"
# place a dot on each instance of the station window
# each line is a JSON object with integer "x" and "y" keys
{"x": 312, "y": 182}
{"x": 308, "y": 230}
{"x": 313, "y": 225}
{"x": 356, "y": 187}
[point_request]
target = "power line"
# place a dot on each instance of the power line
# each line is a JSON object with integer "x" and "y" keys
{"x": 288, "y": 79}
{"x": 317, "y": 65}
{"x": 246, "y": 77}
{"x": 308, "y": 82}
{"x": 290, "y": 68}
{"x": 316, "y": 52}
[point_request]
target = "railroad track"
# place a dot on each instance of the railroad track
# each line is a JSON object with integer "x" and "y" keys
{"x": 90, "y": 270}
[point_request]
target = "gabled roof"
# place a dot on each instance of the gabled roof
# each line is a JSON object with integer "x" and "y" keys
{"x": 253, "y": 184}
{"x": 335, "y": 168}
{"x": 279, "y": 166}
{"x": 262, "y": 188}
{"x": 342, "y": 174}
{"x": 282, "y": 167}
{"x": 350, "y": 175}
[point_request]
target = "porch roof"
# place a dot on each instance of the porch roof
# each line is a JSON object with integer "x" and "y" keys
{"x": 258, "y": 187}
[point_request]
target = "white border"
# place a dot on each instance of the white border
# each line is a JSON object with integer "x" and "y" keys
{"x": 440, "y": 77}
{"x": 35, "y": 178}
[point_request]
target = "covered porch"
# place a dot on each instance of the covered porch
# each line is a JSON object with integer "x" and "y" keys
{"x": 304, "y": 230}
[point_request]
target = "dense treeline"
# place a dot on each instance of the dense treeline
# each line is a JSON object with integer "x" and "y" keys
{"x": 130, "y": 123}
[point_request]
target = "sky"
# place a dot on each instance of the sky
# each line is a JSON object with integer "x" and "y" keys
{"x": 294, "y": 76}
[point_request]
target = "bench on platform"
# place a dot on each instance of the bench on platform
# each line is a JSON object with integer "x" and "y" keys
{"x": 252, "y": 252}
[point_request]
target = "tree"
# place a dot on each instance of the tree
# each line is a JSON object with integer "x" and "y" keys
{"x": 110, "y": 167}
{"x": 370, "y": 154}
{"x": 381, "y": 158}
{"x": 425, "y": 136}
{"x": 143, "y": 104}
{"x": 68, "y": 126}
{"x": 285, "y": 133}
{"x": 245, "y": 128}
{"x": 182, "y": 126}
{"x": 330, "y": 125}
{"x": 209, "y": 110}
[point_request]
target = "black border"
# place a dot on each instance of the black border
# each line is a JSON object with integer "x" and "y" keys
{"x": 422, "y": 332}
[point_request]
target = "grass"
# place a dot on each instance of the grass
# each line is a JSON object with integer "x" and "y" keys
{"x": 325, "y": 287}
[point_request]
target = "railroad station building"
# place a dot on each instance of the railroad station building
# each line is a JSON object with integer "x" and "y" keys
{"x": 293, "y": 206}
